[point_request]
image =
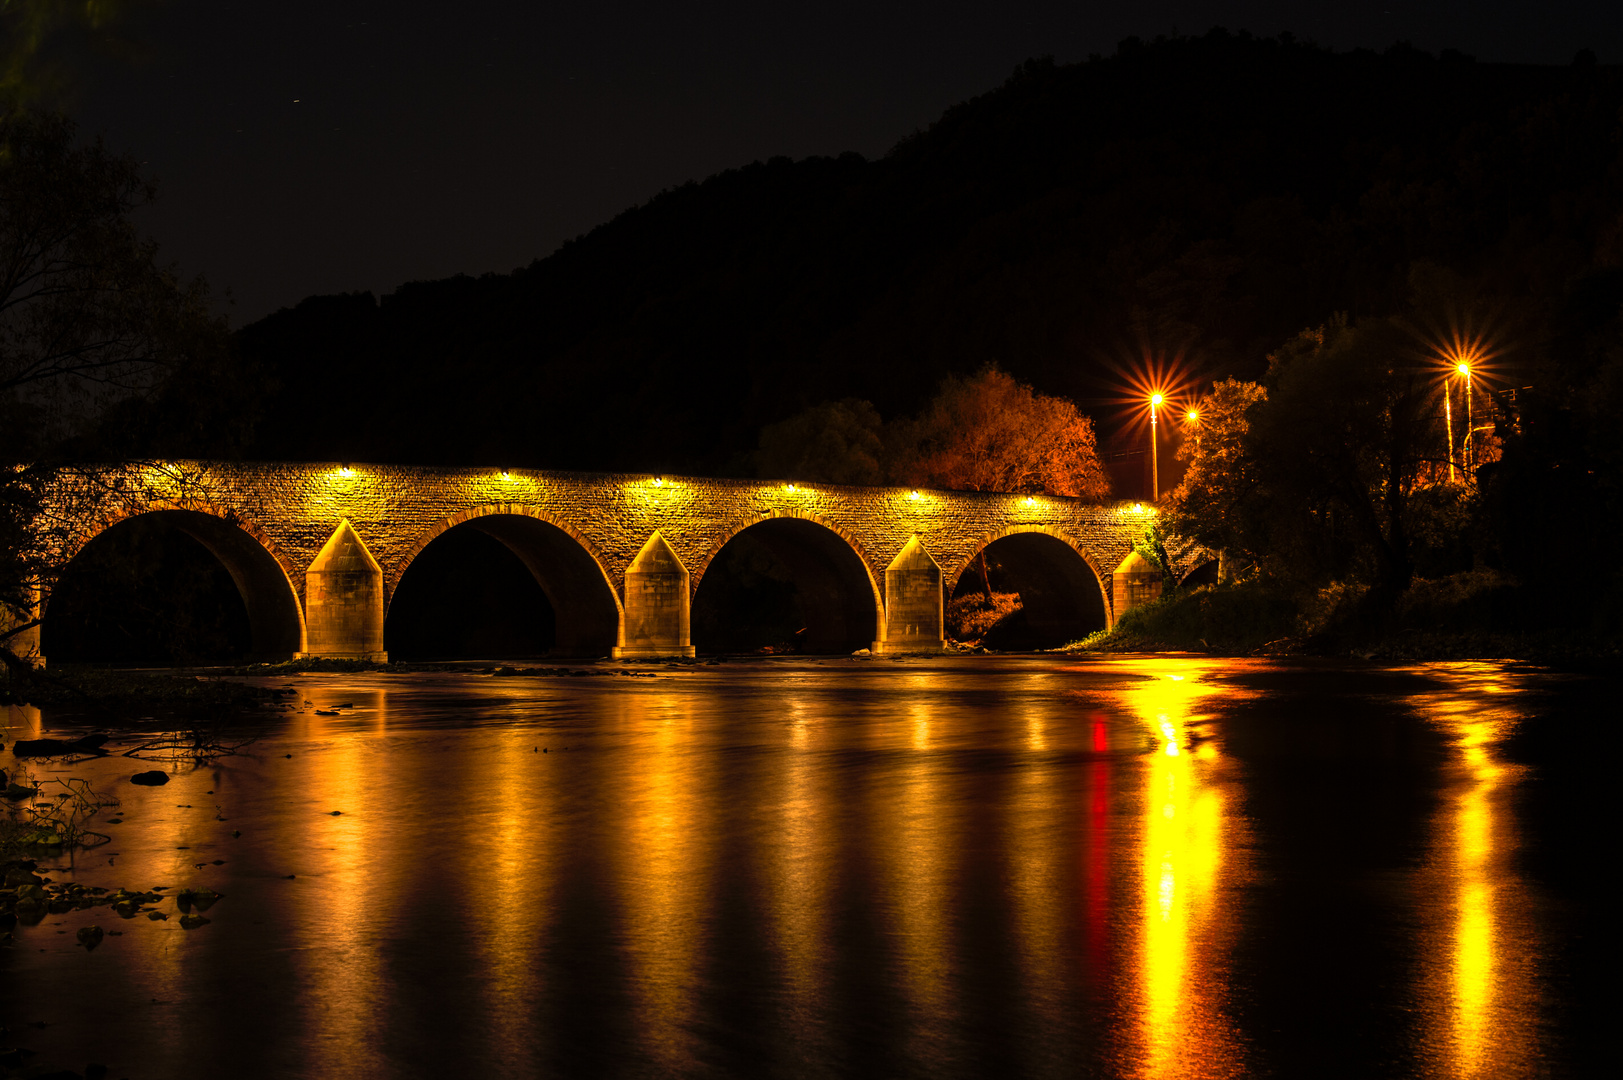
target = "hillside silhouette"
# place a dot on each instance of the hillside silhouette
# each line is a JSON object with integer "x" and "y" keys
{"x": 1196, "y": 200}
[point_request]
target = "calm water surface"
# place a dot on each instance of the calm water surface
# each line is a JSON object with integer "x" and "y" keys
{"x": 1150, "y": 867}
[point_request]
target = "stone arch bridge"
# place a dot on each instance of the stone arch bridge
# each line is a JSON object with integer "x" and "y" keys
{"x": 318, "y": 550}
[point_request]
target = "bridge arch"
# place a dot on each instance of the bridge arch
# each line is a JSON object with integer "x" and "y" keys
{"x": 564, "y": 563}
{"x": 1062, "y": 588}
{"x": 834, "y": 587}
{"x": 257, "y": 568}
{"x": 1203, "y": 572}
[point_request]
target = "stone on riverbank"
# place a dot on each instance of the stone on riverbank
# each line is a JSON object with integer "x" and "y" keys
{"x": 201, "y": 899}
{"x": 89, "y": 744}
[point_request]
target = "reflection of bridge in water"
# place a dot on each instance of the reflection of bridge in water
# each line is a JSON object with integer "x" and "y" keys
{"x": 317, "y": 551}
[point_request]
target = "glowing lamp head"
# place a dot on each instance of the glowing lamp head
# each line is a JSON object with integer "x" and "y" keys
{"x": 1464, "y": 369}
{"x": 506, "y": 475}
{"x": 1030, "y": 501}
{"x": 789, "y": 488}
{"x": 1192, "y": 416}
{"x": 345, "y": 470}
{"x": 914, "y": 495}
{"x": 659, "y": 481}
{"x": 1156, "y": 399}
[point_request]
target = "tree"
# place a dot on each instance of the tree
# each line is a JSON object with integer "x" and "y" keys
{"x": 836, "y": 442}
{"x": 87, "y": 317}
{"x": 100, "y": 347}
{"x": 1151, "y": 546}
{"x": 991, "y": 433}
{"x": 1221, "y": 485}
{"x": 1342, "y": 447}
{"x": 1314, "y": 474}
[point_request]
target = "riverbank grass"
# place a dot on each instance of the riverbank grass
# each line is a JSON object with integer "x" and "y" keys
{"x": 1229, "y": 619}
{"x": 1479, "y": 615}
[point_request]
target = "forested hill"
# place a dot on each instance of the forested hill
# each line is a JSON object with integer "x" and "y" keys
{"x": 1204, "y": 198}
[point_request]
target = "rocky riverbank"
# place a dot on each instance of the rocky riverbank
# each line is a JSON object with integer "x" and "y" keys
{"x": 28, "y": 898}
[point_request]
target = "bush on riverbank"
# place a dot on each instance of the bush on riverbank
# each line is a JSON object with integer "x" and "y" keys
{"x": 973, "y": 616}
{"x": 1478, "y": 614}
{"x": 1234, "y": 618}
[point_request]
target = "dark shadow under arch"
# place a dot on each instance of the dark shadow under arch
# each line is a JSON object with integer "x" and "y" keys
{"x": 1061, "y": 597}
{"x": 582, "y": 610}
{"x": 1204, "y": 574}
{"x": 153, "y": 560}
{"x": 785, "y": 583}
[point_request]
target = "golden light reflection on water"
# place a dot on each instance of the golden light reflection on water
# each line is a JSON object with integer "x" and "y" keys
{"x": 22, "y": 722}
{"x": 1479, "y": 941}
{"x": 665, "y": 877}
{"x": 1192, "y": 857}
{"x": 920, "y": 874}
{"x": 512, "y": 847}
{"x": 799, "y": 862}
{"x": 337, "y": 950}
{"x": 1039, "y": 871}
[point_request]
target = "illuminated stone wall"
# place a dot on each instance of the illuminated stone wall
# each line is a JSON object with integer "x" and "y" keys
{"x": 292, "y": 510}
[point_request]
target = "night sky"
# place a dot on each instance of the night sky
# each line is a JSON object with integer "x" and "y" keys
{"x": 324, "y": 147}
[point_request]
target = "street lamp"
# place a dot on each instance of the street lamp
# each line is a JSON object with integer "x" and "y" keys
{"x": 1464, "y": 369}
{"x": 1448, "y": 422}
{"x": 1155, "y": 461}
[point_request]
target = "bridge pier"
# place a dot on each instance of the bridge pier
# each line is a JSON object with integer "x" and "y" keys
{"x": 915, "y": 606}
{"x": 1135, "y": 582}
{"x": 343, "y": 600}
{"x": 658, "y": 605}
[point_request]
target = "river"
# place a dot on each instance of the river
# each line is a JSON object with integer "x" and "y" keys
{"x": 1017, "y": 866}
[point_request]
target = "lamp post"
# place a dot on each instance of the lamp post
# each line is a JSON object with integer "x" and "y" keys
{"x": 1448, "y": 422}
{"x": 1464, "y": 368}
{"x": 1155, "y": 461}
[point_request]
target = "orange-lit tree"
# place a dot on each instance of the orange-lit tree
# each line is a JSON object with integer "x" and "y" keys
{"x": 1221, "y": 484}
{"x": 991, "y": 433}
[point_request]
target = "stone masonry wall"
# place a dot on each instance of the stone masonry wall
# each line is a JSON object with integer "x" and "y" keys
{"x": 293, "y": 509}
